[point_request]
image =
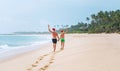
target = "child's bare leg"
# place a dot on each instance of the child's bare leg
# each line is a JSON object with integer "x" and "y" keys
{"x": 62, "y": 45}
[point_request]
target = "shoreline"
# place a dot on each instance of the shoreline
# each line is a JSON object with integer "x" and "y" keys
{"x": 9, "y": 52}
{"x": 20, "y": 50}
{"x": 83, "y": 52}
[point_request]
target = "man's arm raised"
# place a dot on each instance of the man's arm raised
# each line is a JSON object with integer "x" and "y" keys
{"x": 49, "y": 28}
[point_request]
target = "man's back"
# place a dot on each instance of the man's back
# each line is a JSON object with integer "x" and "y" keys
{"x": 54, "y": 34}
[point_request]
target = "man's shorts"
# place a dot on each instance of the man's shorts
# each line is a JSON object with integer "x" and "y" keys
{"x": 54, "y": 41}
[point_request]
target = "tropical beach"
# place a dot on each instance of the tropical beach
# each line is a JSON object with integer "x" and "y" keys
{"x": 59, "y": 35}
{"x": 83, "y": 52}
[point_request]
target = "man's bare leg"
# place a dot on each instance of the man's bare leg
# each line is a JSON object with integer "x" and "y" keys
{"x": 54, "y": 46}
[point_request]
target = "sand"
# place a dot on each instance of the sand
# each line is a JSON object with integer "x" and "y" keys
{"x": 83, "y": 52}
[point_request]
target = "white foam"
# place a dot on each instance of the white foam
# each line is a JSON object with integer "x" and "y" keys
{"x": 4, "y": 46}
{"x": 8, "y": 52}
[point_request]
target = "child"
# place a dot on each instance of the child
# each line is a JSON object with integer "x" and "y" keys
{"x": 62, "y": 37}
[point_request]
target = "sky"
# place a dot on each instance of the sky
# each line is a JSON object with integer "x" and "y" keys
{"x": 35, "y": 15}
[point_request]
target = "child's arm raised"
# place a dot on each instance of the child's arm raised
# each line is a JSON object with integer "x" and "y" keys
{"x": 66, "y": 30}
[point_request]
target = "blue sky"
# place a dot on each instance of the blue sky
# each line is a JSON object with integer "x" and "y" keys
{"x": 35, "y": 15}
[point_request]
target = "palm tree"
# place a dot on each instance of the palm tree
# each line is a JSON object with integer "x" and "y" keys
{"x": 87, "y": 18}
{"x": 57, "y": 26}
{"x": 62, "y": 26}
{"x": 67, "y": 25}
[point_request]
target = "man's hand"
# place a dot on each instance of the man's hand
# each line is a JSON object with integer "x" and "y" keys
{"x": 58, "y": 39}
{"x": 49, "y": 28}
{"x": 48, "y": 25}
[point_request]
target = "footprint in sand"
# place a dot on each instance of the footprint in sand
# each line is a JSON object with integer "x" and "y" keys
{"x": 48, "y": 64}
{"x": 41, "y": 58}
{"x": 37, "y": 62}
{"x": 51, "y": 62}
{"x": 33, "y": 65}
{"x": 29, "y": 69}
{"x": 44, "y": 68}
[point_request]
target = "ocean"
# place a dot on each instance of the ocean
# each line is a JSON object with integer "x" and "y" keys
{"x": 12, "y": 45}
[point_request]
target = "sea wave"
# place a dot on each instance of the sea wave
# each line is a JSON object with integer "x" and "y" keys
{"x": 12, "y": 45}
{"x": 4, "y": 46}
{"x": 7, "y": 51}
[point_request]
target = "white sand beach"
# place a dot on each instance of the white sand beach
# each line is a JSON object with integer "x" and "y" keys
{"x": 83, "y": 52}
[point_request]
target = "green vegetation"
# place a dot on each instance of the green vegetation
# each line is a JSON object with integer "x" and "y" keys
{"x": 79, "y": 28}
{"x": 102, "y": 22}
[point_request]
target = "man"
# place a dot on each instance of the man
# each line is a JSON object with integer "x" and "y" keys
{"x": 54, "y": 36}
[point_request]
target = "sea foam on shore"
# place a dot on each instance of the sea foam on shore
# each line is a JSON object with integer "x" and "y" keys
{"x": 12, "y": 45}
